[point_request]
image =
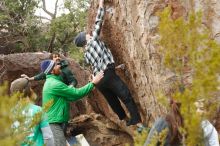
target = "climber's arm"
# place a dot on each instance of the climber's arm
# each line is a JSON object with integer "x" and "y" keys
{"x": 99, "y": 20}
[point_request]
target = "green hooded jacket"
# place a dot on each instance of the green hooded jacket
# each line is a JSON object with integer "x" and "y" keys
{"x": 54, "y": 89}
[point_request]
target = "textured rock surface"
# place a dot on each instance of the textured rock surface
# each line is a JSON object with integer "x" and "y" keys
{"x": 130, "y": 30}
{"x": 99, "y": 130}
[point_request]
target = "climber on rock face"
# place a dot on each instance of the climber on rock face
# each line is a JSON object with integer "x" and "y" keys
{"x": 97, "y": 54}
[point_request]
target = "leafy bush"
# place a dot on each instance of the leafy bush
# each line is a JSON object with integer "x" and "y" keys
{"x": 187, "y": 48}
{"x": 11, "y": 111}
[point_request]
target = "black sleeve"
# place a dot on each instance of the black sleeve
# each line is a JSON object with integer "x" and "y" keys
{"x": 69, "y": 77}
{"x": 40, "y": 76}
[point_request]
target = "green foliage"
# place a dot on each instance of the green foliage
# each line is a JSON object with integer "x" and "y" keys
{"x": 77, "y": 54}
{"x": 11, "y": 109}
{"x": 7, "y": 119}
{"x": 17, "y": 22}
{"x": 159, "y": 138}
{"x": 67, "y": 26}
{"x": 25, "y": 32}
{"x": 140, "y": 138}
{"x": 187, "y": 46}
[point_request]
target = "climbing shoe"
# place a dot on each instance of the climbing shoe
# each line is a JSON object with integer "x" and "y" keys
{"x": 132, "y": 122}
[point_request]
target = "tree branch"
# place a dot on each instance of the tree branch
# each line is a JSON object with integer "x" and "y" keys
{"x": 50, "y": 47}
{"x": 55, "y": 11}
{"x": 42, "y": 17}
{"x": 45, "y": 9}
{"x": 63, "y": 41}
{"x": 2, "y": 6}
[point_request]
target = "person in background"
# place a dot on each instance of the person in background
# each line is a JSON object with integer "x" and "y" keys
{"x": 67, "y": 75}
{"x": 173, "y": 121}
{"x": 170, "y": 122}
{"x": 209, "y": 131}
{"x": 41, "y": 133}
{"x": 98, "y": 55}
{"x": 61, "y": 95}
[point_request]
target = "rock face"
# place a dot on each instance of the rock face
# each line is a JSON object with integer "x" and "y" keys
{"x": 130, "y": 30}
{"x": 100, "y": 131}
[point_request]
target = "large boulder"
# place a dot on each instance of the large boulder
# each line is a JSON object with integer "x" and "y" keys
{"x": 130, "y": 31}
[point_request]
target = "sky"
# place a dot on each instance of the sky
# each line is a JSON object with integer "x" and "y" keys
{"x": 50, "y": 6}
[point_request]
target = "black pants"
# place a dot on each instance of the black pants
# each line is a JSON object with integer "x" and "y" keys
{"x": 113, "y": 89}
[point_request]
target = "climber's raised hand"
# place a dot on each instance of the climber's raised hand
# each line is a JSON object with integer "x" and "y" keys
{"x": 101, "y": 3}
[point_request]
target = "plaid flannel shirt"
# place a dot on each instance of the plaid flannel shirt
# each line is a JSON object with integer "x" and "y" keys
{"x": 97, "y": 54}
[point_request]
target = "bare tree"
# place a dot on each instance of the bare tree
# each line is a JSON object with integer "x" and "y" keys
{"x": 53, "y": 16}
